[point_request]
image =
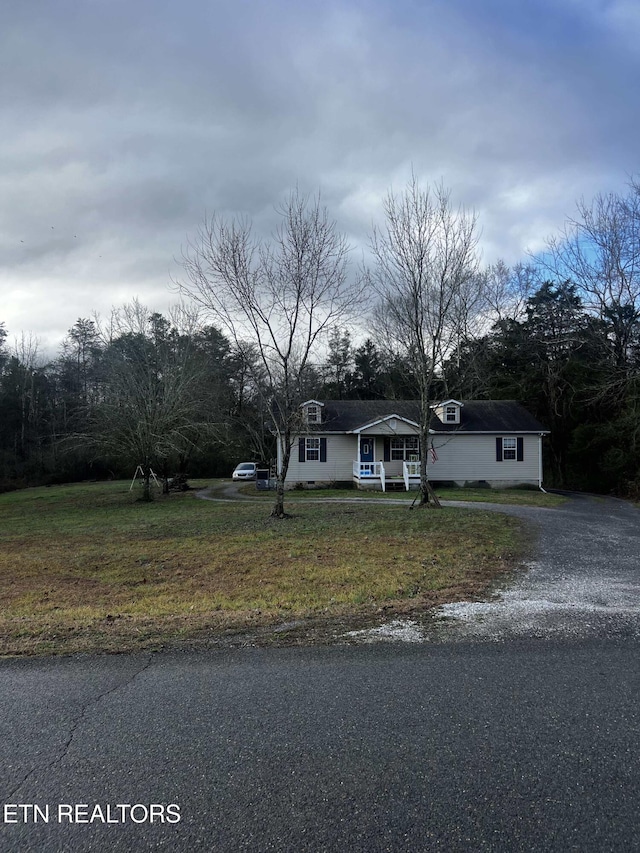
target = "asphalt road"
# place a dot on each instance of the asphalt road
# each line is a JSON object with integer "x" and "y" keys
{"x": 513, "y": 727}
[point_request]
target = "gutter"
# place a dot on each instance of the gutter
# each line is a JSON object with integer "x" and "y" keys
{"x": 540, "y": 436}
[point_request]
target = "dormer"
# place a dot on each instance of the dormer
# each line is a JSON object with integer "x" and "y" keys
{"x": 448, "y": 411}
{"x": 312, "y": 411}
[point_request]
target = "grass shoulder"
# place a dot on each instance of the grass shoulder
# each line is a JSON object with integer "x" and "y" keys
{"x": 89, "y": 567}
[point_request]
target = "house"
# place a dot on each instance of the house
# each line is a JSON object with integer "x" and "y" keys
{"x": 375, "y": 444}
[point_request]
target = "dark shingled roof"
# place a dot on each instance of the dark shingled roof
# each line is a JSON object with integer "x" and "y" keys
{"x": 475, "y": 415}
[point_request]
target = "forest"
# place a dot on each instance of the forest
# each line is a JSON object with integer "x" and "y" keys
{"x": 182, "y": 395}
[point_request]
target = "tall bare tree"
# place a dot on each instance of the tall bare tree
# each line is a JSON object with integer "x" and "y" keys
{"x": 507, "y": 289}
{"x": 426, "y": 272}
{"x": 599, "y": 251}
{"x": 278, "y": 297}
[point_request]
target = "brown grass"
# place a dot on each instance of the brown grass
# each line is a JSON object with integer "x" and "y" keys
{"x": 88, "y": 567}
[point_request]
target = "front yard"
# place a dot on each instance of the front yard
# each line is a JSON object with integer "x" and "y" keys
{"x": 88, "y": 567}
{"x": 520, "y": 497}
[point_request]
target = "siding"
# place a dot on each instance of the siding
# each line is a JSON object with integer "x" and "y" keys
{"x": 460, "y": 457}
{"x": 384, "y": 429}
{"x": 473, "y": 457}
{"x": 341, "y": 454}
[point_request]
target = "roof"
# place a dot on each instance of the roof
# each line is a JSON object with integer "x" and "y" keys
{"x": 446, "y": 403}
{"x": 491, "y": 416}
{"x": 477, "y": 416}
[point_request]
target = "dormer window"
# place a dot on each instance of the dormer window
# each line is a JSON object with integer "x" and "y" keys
{"x": 312, "y": 411}
{"x": 448, "y": 411}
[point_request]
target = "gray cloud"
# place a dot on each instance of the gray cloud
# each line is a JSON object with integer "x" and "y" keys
{"x": 124, "y": 123}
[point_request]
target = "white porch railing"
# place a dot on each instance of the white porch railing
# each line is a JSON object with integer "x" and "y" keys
{"x": 410, "y": 470}
{"x": 370, "y": 471}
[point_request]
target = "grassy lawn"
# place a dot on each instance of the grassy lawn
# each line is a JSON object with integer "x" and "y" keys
{"x": 89, "y": 567}
{"x": 523, "y": 497}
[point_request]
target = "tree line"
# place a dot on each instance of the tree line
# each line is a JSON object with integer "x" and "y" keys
{"x": 169, "y": 393}
{"x": 140, "y": 389}
{"x": 275, "y": 322}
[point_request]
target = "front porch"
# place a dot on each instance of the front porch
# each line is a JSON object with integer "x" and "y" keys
{"x": 387, "y": 455}
{"x": 374, "y": 475}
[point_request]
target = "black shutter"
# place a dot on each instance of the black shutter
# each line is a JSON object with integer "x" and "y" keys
{"x": 387, "y": 450}
{"x": 498, "y": 450}
{"x": 519, "y": 449}
{"x": 301, "y": 454}
{"x": 323, "y": 449}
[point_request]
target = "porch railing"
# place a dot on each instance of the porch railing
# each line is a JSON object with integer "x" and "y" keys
{"x": 410, "y": 470}
{"x": 370, "y": 470}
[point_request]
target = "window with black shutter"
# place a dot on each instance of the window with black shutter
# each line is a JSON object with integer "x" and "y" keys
{"x": 510, "y": 448}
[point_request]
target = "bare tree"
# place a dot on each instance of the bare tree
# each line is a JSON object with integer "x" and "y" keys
{"x": 599, "y": 251}
{"x": 426, "y": 271}
{"x": 279, "y": 297}
{"x": 27, "y": 358}
{"x": 507, "y": 289}
{"x": 3, "y": 352}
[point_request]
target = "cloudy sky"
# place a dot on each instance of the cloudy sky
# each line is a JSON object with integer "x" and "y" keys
{"x": 125, "y": 121}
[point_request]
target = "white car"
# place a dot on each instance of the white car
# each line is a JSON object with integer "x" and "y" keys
{"x": 245, "y": 471}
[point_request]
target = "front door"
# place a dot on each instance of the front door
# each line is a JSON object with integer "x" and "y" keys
{"x": 366, "y": 450}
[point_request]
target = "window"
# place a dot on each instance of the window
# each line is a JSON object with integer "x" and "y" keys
{"x": 451, "y": 414}
{"x": 313, "y": 414}
{"x": 312, "y": 449}
{"x": 508, "y": 448}
{"x": 404, "y": 448}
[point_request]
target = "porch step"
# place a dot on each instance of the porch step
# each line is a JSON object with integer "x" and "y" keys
{"x": 394, "y": 484}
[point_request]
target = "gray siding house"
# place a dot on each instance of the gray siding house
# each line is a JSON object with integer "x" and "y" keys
{"x": 374, "y": 444}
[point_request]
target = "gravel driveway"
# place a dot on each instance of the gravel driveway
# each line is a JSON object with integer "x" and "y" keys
{"x": 584, "y": 581}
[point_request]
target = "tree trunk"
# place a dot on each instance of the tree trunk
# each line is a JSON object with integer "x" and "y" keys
{"x": 146, "y": 484}
{"x": 278, "y": 507}
{"x": 427, "y": 496}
